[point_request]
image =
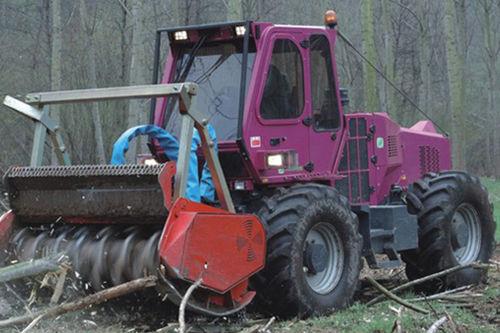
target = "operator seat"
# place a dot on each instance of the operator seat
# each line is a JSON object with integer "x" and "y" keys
{"x": 277, "y": 93}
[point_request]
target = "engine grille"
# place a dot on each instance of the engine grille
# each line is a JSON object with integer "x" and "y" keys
{"x": 392, "y": 146}
{"x": 354, "y": 164}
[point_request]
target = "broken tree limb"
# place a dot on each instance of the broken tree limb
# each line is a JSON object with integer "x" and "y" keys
{"x": 253, "y": 329}
{"x": 58, "y": 289}
{"x": 31, "y": 268}
{"x": 439, "y": 295}
{"x": 97, "y": 298}
{"x": 440, "y": 322}
{"x": 182, "y": 307}
{"x": 269, "y": 323}
{"x": 395, "y": 298}
{"x": 396, "y": 327}
{"x": 32, "y": 324}
{"x": 428, "y": 278}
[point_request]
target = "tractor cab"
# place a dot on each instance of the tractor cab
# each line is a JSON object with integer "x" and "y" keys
{"x": 269, "y": 91}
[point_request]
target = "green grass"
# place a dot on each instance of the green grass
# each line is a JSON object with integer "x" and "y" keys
{"x": 381, "y": 318}
{"x": 494, "y": 191}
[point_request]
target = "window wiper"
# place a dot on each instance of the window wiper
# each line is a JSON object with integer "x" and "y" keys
{"x": 206, "y": 76}
{"x": 184, "y": 70}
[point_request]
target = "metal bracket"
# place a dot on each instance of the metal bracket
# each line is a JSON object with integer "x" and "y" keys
{"x": 44, "y": 125}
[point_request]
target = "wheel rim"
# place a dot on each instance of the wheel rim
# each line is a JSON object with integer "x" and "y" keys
{"x": 325, "y": 235}
{"x": 466, "y": 234}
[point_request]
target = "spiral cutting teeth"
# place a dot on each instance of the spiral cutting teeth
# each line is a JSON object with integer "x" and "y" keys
{"x": 101, "y": 257}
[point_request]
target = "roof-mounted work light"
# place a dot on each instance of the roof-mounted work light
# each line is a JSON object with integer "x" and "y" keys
{"x": 181, "y": 35}
{"x": 240, "y": 30}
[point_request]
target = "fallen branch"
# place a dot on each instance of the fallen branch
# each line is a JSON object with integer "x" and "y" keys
{"x": 396, "y": 327}
{"x": 31, "y": 268}
{"x": 252, "y": 329}
{"x": 439, "y": 295}
{"x": 19, "y": 298}
{"x": 3, "y": 206}
{"x": 269, "y": 323}
{"x": 428, "y": 278}
{"x": 440, "y": 322}
{"x": 496, "y": 263}
{"x": 97, "y": 298}
{"x": 32, "y": 324}
{"x": 182, "y": 307}
{"x": 451, "y": 322}
{"x": 459, "y": 305}
{"x": 395, "y": 298}
{"x": 58, "y": 289}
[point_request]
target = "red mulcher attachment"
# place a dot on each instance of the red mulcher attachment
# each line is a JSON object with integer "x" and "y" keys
{"x": 220, "y": 248}
{"x": 110, "y": 220}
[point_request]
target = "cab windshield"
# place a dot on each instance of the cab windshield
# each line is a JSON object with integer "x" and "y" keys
{"x": 216, "y": 68}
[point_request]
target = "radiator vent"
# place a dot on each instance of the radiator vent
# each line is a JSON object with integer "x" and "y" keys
{"x": 429, "y": 159}
{"x": 248, "y": 227}
{"x": 392, "y": 146}
{"x": 247, "y": 239}
{"x": 250, "y": 255}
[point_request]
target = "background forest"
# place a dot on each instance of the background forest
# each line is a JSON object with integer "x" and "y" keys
{"x": 442, "y": 53}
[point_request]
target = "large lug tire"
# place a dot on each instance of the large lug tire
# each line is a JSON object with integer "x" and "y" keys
{"x": 313, "y": 252}
{"x": 456, "y": 226}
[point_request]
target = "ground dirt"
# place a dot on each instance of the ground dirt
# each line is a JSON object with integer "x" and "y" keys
{"x": 144, "y": 313}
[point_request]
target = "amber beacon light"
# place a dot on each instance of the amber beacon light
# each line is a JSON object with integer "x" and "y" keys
{"x": 330, "y": 18}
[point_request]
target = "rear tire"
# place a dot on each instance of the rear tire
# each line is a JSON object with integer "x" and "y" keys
{"x": 456, "y": 226}
{"x": 313, "y": 252}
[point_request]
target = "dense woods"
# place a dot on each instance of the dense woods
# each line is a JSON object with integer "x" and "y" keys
{"x": 443, "y": 54}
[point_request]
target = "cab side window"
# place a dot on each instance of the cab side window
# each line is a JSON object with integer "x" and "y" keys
{"x": 284, "y": 90}
{"x": 325, "y": 108}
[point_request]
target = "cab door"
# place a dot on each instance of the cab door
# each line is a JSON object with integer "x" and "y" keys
{"x": 325, "y": 122}
{"x": 274, "y": 126}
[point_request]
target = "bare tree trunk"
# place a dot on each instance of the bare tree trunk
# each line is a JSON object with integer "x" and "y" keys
{"x": 89, "y": 49}
{"x": 462, "y": 42}
{"x": 388, "y": 63}
{"x": 491, "y": 49}
{"x": 124, "y": 40}
{"x": 137, "y": 109}
{"x": 56, "y": 61}
{"x": 454, "y": 69}
{"x": 424, "y": 55}
{"x": 369, "y": 75}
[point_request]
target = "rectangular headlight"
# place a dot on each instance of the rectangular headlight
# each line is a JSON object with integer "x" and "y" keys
{"x": 275, "y": 161}
{"x": 181, "y": 35}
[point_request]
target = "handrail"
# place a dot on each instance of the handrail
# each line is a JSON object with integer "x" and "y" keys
{"x": 100, "y": 94}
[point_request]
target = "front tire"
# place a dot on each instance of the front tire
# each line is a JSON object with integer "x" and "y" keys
{"x": 314, "y": 252}
{"x": 456, "y": 227}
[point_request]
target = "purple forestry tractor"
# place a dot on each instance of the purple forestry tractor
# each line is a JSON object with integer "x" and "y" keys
{"x": 258, "y": 184}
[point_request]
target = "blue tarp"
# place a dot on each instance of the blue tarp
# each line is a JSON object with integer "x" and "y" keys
{"x": 195, "y": 189}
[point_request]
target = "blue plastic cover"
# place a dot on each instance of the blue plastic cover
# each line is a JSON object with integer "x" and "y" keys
{"x": 195, "y": 189}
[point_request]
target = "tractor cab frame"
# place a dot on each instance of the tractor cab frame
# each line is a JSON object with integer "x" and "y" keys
{"x": 285, "y": 120}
